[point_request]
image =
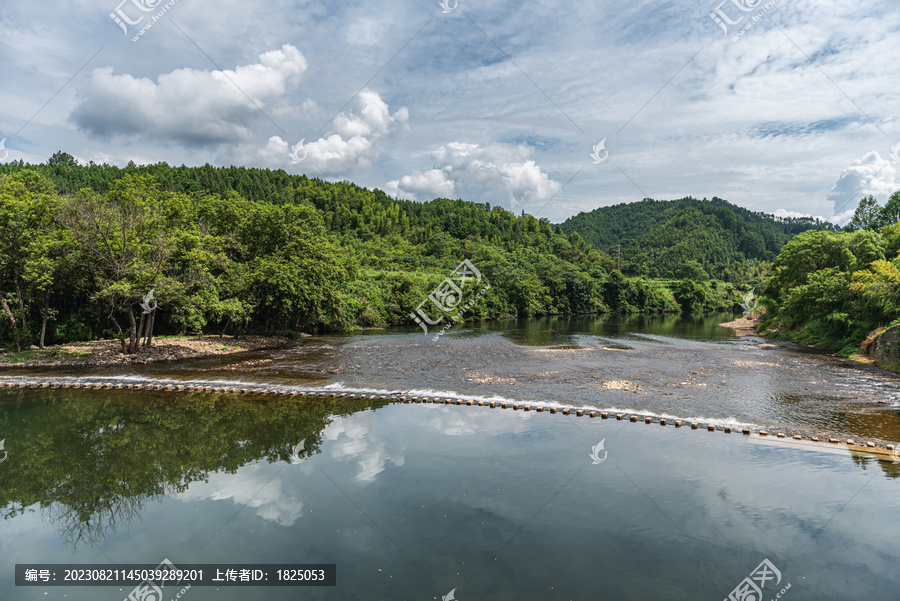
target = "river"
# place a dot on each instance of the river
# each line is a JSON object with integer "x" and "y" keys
{"x": 426, "y": 501}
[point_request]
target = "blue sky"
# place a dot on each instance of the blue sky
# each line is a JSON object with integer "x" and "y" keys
{"x": 499, "y": 102}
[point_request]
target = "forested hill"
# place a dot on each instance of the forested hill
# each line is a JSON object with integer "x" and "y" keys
{"x": 237, "y": 249}
{"x": 656, "y": 236}
{"x": 347, "y": 210}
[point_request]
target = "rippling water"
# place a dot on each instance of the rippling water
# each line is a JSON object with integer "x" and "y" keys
{"x": 668, "y": 366}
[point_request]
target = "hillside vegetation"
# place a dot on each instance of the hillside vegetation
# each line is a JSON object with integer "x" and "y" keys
{"x": 833, "y": 290}
{"x": 656, "y": 237}
{"x": 251, "y": 250}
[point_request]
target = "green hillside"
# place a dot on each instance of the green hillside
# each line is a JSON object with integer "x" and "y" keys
{"x": 657, "y": 236}
{"x": 253, "y": 250}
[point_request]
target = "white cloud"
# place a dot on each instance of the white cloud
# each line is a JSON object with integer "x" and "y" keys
{"x": 356, "y": 137}
{"x": 494, "y": 172}
{"x": 352, "y": 440}
{"x": 252, "y": 486}
{"x": 753, "y": 122}
{"x": 869, "y": 175}
{"x": 431, "y": 184}
{"x": 354, "y": 143}
{"x": 784, "y": 214}
{"x": 189, "y": 106}
{"x": 274, "y": 155}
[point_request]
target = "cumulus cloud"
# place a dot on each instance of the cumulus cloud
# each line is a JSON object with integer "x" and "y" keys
{"x": 353, "y": 144}
{"x": 190, "y": 106}
{"x": 274, "y": 155}
{"x": 434, "y": 183}
{"x": 352, "y": 440}
{"x": 252, "y": 486}
{"x": 869, "y": 175}
{"x": 495, "y": 172}
{"x": 785, "y": 214}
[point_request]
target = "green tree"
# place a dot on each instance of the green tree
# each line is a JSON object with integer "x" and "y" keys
{"x": 868, "y": 215}
{"x": 691, "y": 270}
{"x": 122, "y": 240}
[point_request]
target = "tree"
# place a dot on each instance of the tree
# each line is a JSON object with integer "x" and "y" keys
{"x": 690, "y": 295}
{"x": 122, "y": 241}
{"x": 63, "y": 159}
{"x": 890, "y": 215}
{"x": 691, "y": 270}
{"x": 25, "y": 201}
{"x": 868, "y": 215}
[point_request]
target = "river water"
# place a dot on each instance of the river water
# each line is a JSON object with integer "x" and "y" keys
{"x": 684, "y": 367}
{"x": 416, "y": 501}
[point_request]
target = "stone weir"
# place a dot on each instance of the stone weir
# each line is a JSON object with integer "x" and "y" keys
{"x": 883, "y": 452}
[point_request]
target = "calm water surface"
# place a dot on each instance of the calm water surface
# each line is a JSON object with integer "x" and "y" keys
{"x": 412, "y": 501}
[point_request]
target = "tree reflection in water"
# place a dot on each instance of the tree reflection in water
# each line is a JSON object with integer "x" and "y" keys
{"x": 93, "y": 461}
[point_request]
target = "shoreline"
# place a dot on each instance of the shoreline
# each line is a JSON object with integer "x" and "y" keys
{"x": 748, "y": 326}
{"x": 105, "y": 352}
{"x": 745, "y": 325}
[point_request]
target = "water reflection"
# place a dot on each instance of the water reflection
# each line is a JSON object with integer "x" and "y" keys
{"x": 568, "y": 331}
{"x": 412, "y": 501}
{"x": 95, "y": 461}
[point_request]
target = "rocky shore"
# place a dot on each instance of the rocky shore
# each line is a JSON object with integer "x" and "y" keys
{"x": 745, "y": 325}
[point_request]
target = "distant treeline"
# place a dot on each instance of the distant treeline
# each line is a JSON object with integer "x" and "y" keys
{"x": 655, "y": 237}
{"x": 252, "y": 250}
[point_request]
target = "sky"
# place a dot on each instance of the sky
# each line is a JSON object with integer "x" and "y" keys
{"x": 788, "y": 107}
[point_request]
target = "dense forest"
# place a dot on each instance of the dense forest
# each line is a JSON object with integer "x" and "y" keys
{"x": 251, "y": 250}
{"x": 655, "y": 237}
{"x": 834, "y": 290}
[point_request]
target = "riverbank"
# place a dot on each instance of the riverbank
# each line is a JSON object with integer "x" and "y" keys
{"x": 683, "y": 367}
{"x": 867, "y": 353}
{"x": 746, "y": 325}
{"x": 165, "y": 348}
